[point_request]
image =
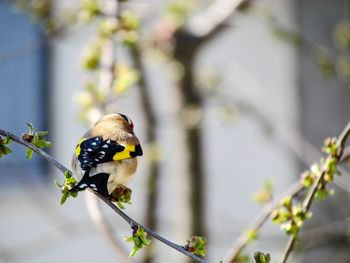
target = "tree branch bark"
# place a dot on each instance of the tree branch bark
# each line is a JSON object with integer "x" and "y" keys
{"x": 263, "y": 216}
{"x": 311, "y": 194}
{"x": 128, "y": 219}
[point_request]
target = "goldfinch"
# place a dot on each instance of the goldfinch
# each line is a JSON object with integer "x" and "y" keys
{"x": 105, "y": 158}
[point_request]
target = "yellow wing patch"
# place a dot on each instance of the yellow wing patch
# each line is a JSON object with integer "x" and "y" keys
{"x": 78, "y": 149}
{"x": 125, "y": 154}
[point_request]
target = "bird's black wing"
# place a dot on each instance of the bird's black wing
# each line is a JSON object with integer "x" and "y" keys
{"x": 93, "y": 151}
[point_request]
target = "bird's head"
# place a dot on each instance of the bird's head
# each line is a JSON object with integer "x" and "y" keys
{"x": 119, "y": 119}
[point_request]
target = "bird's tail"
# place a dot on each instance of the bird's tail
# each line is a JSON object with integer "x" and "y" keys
{"x": 97, "y": 182}
{"x": 82, "y": 185}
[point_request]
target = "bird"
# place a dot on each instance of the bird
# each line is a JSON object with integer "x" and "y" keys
{"x": 106, "y": 156}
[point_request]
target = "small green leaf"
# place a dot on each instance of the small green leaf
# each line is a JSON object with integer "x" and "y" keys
{"x": 42, "y": 133}
{"x": 31, "y": 128}
{"x": 7, "y": 140}
{"x": 251, "y": 234}
{"x": 197, "y": 245}
{"x": 128, "y": 239}
{"x": 120, "y": 205}
{"x": 6, "y": 150}
{"x": 260, "y": 257}
{"x": 64, "y": 197}
{"x": 69, "y": 183}
{"x": 29, "y": 153}
{"x": 139, "y": 238}
{"x": 287, "y": 202}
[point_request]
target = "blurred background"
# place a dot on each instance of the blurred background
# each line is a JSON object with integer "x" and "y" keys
{"x": 226, "y": 97}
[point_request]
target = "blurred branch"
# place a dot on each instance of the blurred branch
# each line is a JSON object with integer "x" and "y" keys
{"x": 106, "y": 79}
{"x": 286, "y": 132}
{"x": 128, "y": 219}
{"x": 311, "y": 194}
{"x": 151, "y": 127}
{"x": 104, "y": 228}
{"x": 216, "y": 15}
{"x": 263, "y": 216}
{"x": 259, "y": 221}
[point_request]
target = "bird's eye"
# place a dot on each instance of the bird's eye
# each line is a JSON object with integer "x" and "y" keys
{"x": 131, "y": 124}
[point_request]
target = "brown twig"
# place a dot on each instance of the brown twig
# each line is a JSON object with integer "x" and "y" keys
{"x": 259, "y": 221}
{"x": 104, "y": 227}
{"x": 311, "y": 194}
{"x": 128, "y": 219}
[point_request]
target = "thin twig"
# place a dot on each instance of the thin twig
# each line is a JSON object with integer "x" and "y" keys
{"x": 311, "y": 194}
{"x": 128, "y": 219}
{"x": 104, "y": 227}
{"x": 258, "y": 222}
{"x": 263, "y": 216}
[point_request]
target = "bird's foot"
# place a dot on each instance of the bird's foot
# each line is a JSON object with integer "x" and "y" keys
{"x": 121, "y": 194}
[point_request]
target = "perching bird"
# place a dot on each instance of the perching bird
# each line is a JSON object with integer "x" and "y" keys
{"x": 105, "y": 158}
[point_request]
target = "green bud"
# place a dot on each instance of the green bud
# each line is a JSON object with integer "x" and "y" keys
{"x": 287, "y": 202}
{"x": 139, "y": 238}
{"x": 197, "y": 245}
{"x": 107, "y": 28}
{"x": 89, "y": 10}
{"x": 129, "y": 21}
{"x": 307, "y": 178}
{"x": 91, "y": 56}
{"x": 251, "y": 234}
{"x": 260, "y": 257}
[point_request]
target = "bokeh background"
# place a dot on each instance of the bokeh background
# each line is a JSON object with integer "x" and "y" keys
{"x": 218, "y": 116}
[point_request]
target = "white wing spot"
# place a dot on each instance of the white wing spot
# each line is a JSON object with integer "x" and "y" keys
{"x": 93, "y": 185}
{"x": 89, "y": 150}
{"x": 94, "y": 143}
{"x": 96, "y": 160}
{"x": 102, "y": 152}
{"x": 97, "y": 139}
{"x": 105, "y": 146}
{"x": 83, "y": 186}
{"x": 108, "y": 141}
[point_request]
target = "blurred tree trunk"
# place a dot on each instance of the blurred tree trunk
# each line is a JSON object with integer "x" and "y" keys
{"x": 151, "y": 129}
{"x": 186, "y": 50}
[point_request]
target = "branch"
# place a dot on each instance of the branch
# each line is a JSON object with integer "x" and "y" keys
{"x": 311, "y": 194}
{"x": 128, "y": 219}
{"x": 259, "y": 221}
{"x": 104, "y": 227}
{"x": 263, "y": 216}
{"x": 210, "y": 20}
